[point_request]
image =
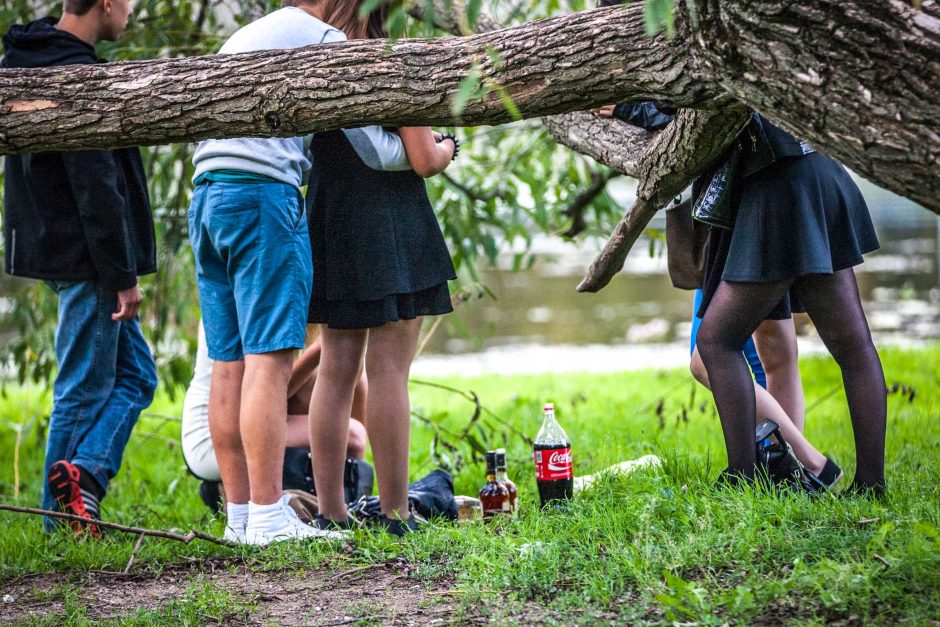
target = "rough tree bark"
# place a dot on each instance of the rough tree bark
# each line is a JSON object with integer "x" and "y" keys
{"x": 286, "y": 93}
{"x": 859, "y": 80}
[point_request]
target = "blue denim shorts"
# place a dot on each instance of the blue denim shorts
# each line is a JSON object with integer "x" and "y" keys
{"x": 253, "y": 266}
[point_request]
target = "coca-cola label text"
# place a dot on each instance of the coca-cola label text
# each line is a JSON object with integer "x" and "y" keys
{"x": 553, "y": 464}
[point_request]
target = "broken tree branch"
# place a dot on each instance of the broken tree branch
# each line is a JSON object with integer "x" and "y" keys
{"x": 575, "y": 210}
{"x": 664, "y": 172}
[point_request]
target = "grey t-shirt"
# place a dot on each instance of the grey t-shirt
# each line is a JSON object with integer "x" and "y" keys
{"x": 288, "y": 159}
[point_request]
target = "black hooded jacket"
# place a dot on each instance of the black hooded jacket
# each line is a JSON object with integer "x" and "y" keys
{"x": 73, "y": 216}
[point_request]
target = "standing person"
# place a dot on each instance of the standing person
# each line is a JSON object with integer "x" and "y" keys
{"x": 248, "y": 231}
{"x": 382, "y": 265}
{"x": 771, "y": 351}
{"x": 81, "y": 221}
{"x": 800, "y": 226}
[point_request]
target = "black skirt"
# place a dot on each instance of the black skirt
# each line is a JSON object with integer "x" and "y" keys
{"x": 798, "y": 216}
{"x": 378, "y": 252}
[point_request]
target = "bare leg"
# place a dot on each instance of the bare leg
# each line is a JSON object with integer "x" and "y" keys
{"x": 768, "y": 408}
{"x": 224, "y": 408}
{"x": 298, "y": 435}
{"x": 833, "y": 304}
{"x": 776, "y": 346}
{"x": 298, "y": 421}
{"x": 360, "y": 398}
{"x": 299, "y": 401}
{"x": 733, "y": 315}
{"x": 330, "y": 405}
{"x": 388, "y": 362}
{"x": 298, "y": 431}
{"x": 264, "y": 422}
{"x": 356, "y": 444}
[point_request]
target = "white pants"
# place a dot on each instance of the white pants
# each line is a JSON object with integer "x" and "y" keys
{"x": 197, "y": 444}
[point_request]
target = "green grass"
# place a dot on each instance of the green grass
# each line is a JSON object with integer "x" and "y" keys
{"x": 656, "y": 546}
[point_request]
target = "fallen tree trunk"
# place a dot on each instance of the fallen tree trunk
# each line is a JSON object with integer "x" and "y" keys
{"x": 562, "y": 64}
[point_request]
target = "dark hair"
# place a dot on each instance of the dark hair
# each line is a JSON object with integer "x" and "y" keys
{"x": 78, "y": 7}
{"x": 344, "y": 15}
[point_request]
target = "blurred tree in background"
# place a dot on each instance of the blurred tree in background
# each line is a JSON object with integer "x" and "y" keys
{"x": 511, "y": 183}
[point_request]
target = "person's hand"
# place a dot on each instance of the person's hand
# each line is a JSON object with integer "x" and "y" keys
{"x": 607, "y": 111}
{"x": 128, "y": 303}
{"x": 437, "y": 136}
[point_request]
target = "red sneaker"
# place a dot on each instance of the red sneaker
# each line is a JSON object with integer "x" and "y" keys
{"x": 63, "y": 484}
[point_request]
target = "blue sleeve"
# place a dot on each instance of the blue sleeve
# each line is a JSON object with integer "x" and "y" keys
{"x": 648, "y": 115}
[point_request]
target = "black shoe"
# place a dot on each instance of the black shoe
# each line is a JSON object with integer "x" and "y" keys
{"x": 734, "y": 479}
{"x": 326, "y": 524}
{"x": 872, "y": 491}
{"x": 397, "y": 527}
{"x": 827, "y": 479}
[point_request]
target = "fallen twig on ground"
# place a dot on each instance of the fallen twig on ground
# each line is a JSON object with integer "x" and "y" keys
{"x": 353, "y": 619}
{"x": 130, "y": 562}
{"x": 156, "y": 533}
{"x": 357, "y": 570}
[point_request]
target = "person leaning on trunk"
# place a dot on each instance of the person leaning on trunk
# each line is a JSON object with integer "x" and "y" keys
{"x": 81, "y": 221}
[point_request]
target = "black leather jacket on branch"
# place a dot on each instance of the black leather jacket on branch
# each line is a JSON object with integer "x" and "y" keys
{"x": 760, "y": 143}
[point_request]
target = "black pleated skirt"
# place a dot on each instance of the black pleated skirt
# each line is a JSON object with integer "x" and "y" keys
{"x": 798, "y": 216}
{"x": 367, "y": 314}
{"x": 378, "y": 252}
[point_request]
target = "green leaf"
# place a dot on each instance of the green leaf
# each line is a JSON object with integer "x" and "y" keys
{"x": 469, "y": 86}
{"x": 659, "y": 15}
{"x": 396, "y": 23}
{"x": 473, "y": 11}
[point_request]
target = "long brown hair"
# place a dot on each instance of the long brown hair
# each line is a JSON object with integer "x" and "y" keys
{"x": 344, "y": 15}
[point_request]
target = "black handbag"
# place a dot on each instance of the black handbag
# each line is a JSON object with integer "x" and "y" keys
{"x": 358, "y": 475}
{"x": 713, "y": 204}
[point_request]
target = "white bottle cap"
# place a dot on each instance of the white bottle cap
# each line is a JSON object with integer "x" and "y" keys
{"x": 549, "y": 407}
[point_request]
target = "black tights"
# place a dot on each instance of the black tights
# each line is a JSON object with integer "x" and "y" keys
{"x": 833, "y": 304}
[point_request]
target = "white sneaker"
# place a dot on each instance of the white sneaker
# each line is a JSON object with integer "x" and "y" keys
{"x": 278, "y": 522}
{"x": 235, "y": 535}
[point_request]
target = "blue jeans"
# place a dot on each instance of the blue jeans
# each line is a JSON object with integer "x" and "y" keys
{"x": 253, "y": 266}
{"x": 106, "y": 377}
{"x": 750, "y": 351}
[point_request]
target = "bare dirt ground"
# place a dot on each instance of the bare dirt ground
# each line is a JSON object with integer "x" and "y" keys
{"x": 378, "y": 594}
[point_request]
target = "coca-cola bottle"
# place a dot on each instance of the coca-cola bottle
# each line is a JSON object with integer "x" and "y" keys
{"x": 553, "y": 471}
{"x": 502, "y": 477}
{"x": 493, "y": 495}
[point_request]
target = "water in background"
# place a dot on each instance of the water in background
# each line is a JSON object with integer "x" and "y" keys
{"x": 538, "y": 322}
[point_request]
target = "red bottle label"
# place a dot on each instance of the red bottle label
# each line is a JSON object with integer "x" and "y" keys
{"x": 553, "y": 464}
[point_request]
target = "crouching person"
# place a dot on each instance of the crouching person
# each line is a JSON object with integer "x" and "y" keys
{"x": 81, "y": 221}
{"x": 196, "y": 441}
